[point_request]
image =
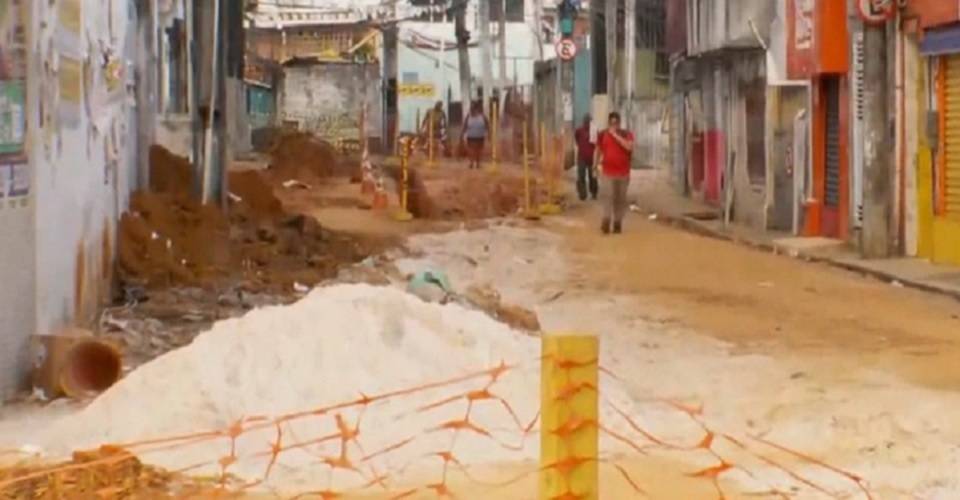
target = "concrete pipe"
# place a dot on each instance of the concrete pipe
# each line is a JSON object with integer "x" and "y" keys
{"x": 75, "y": 365}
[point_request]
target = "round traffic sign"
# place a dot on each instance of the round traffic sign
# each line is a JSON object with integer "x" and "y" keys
{"x": 566, "y": 49}
{"x": 876, "y": 11}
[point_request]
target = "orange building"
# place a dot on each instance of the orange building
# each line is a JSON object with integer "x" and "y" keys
{"x": 817, "y": 51}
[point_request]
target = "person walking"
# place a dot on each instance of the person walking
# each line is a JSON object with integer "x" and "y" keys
{"x": 586, "y": 175}
{"x": 436, "y": 119}
{"x": 612, "y": 158}
{"x": 475, "y": 129}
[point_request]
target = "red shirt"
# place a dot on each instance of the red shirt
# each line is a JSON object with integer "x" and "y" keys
{"x": 616, "y": 159}
{"x": 584, "y": 146}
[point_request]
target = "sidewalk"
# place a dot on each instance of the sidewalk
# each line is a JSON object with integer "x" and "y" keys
{"x": 654, "y": 195}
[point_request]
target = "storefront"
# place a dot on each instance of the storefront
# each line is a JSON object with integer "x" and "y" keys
{"x": 817, "y": 42}
{"x": 938, "y": 188}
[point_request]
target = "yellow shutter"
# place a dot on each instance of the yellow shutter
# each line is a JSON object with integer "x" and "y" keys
{"x": 951, "y": 137}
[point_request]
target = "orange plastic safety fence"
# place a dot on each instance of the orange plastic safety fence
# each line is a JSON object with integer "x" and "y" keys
{"x": 337, "y": 441}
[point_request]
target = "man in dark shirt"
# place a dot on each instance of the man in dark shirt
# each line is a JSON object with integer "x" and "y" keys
{"x": 586, "y": 174}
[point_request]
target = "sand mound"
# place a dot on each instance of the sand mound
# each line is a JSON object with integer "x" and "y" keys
{"x": 336, "y": 345}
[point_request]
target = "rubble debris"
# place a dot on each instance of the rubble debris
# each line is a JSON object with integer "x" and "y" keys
{"x": 488, "y": 299}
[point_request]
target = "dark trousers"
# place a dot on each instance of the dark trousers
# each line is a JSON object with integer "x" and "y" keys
{"x": 586, "y": 180}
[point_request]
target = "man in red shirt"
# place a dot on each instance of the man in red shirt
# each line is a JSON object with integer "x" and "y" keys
{"x": 586, "y": 175}
{"x": 613, "y": 157}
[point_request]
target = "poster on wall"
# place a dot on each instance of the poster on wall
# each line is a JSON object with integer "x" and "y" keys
{"x": 12, "y": 116}
{"x": 13, "y": 64}
{"x": 70, "y": 26}
{"x": 19, "y": 184}
{"x": 70, "y": 87}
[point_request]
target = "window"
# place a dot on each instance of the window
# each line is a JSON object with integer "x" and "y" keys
{"x": 410, "y": 77}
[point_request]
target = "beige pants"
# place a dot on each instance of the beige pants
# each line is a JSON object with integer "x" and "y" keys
{"x": 613, "y": 195}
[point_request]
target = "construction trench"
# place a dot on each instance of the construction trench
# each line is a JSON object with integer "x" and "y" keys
{"x": 304, "y": 345}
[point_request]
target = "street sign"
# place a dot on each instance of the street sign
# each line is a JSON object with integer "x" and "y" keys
{"x": 876, "y": 11}
{"x": 566, "y": 49}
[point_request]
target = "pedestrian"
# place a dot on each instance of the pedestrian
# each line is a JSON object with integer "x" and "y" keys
{"x": 438, "y": 118}
{"x": 475, "y": 129}
{"x": 613, "y": 156}
{"x": 586, "y": 175}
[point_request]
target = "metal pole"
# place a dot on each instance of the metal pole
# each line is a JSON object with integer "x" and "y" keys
{"x": 485, "y": 54}
{"x": 208, "y": 133}
{"x": 610, "y": 30}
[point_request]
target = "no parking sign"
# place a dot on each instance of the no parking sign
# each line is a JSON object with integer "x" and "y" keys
{"x": 566, "y": 49}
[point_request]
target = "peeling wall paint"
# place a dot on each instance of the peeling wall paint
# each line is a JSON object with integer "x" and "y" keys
{"x": 84, "y": 162}
{"x": 16, "y": 199}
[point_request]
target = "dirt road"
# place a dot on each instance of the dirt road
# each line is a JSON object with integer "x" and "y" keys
{"x": 752, "y": 375}
{"x": 808, "y": 378}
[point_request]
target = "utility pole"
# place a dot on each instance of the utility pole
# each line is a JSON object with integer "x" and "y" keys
{"x": 630, "y": 48}
{"x": 463, "y": 38}
{"x": 878, "y": 176}
{"x": 485, "y": 54}
{"x": 502, "y": 42}
{"x": 610, "y": 30}
{"x": 566, "y": 20}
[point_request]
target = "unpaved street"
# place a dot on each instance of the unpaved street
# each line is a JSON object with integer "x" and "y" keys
{"x": 729, "y": 372}
{"x": 832, "y": 367}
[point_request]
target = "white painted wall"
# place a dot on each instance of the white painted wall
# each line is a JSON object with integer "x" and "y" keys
{"x": 16, "y": 247}
{"x": 84, "y": 170}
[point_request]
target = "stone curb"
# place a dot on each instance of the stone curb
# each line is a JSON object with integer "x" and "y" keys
{"x": 696, "y": 227}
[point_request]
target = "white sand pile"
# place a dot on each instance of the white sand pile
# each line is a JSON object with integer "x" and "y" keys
{"x": 334, "y": 345}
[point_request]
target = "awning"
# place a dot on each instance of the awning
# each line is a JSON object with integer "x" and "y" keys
{"x": 939, "y": 41}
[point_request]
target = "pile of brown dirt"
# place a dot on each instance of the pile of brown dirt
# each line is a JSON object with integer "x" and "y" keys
{"x": 169, "y": 173}
{"x": 474, "y": 194}
{"x": 256, "y": 195}
{"x": 167, "y": 238}
{"x": 105, "y": 473}
{"x": 302, "y": 155}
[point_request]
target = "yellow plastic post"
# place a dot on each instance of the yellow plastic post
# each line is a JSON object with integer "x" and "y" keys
{"x": 550, "y": 171}
{"x": 569, "y": 425}
{"x": 495, "y": 137}
{"x": 403, "y": 214}
{"x": 528, "y": 211}
{"x": 543, "y": 141}
{"x": 416, "y": 129}
{"x": 430, "y": 145}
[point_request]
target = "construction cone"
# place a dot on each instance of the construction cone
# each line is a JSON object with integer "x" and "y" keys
{"x": 380, "y": 200}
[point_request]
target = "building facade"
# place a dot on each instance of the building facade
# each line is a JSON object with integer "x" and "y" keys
{"x": 69, "y": 149}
